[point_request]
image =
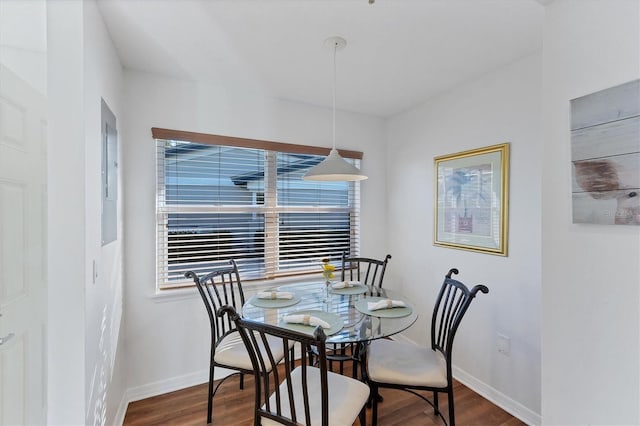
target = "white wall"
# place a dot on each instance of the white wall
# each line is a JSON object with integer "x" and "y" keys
{"x": 103, "y": 79}
{"x": 84, "y": 317}
{"x": 502, "y": 106}
{"x": 66, "y": 215}
{"x": 167, "y": 340}
{"x": 590, "y": 273}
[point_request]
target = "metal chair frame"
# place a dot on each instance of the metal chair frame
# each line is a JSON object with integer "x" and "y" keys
{"x": 369, "y": 272}
{"x": 254, "y": 334}
{"x": 452, "y": 303}
{"x": 364, "y": 269}
{"x": 218, "y": 288}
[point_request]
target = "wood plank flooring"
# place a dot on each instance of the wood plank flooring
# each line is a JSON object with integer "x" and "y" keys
{"x": 234, "y": 407}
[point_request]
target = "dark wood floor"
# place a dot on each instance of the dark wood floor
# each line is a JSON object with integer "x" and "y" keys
{"x": 234, "y": 407}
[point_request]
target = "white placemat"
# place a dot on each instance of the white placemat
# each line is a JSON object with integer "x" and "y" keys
{"x": 354, "y": 289}
{"x": 361, "y": 305}
{"x": 274, "y": 303}
{"x": 334, "y": 320}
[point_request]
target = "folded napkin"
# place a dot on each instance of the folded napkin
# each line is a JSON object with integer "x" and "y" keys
{"x": 385, "y": 304}
{"x": 306, "y": 320}
{"x": 343, "y": 284}
{"x": 275, "y": 295}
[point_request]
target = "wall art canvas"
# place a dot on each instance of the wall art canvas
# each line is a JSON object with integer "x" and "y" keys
{"x": 605, "y": 155}
{"x": 471, "y": 200}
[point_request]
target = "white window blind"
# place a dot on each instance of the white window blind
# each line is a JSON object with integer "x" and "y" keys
{"x": 216, "y": 202}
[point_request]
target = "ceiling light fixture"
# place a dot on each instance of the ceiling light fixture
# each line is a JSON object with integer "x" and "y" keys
{"x": 334, "y": 167}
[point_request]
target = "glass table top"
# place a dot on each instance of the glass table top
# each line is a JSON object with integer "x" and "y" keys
{"x": 357, "y": 326}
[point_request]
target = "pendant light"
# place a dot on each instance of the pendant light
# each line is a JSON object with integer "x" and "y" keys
{"x": 334, "y": 167}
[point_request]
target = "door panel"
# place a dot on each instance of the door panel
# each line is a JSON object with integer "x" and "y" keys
{"x": 14, "y": 377}
{"x": 22, "y": 251}
{"x": 12, "y": 245}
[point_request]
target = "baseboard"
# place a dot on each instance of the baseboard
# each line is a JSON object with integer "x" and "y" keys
{"x": 501, "y": 400}
{"x": 122, "y": 410}
{"x": 164, "y": 386}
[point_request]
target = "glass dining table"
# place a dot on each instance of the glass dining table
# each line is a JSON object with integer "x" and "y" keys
{"x": 345, "y": 310}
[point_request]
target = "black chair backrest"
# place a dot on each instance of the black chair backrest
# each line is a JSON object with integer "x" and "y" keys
{"x": 254, "y": 335}
{"x": 218, "y": 288}
{"x": 452, "y": 303}
{"x": 366, "y": 270}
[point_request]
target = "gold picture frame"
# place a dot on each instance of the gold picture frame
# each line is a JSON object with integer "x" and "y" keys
{"x": 471, "y": 210}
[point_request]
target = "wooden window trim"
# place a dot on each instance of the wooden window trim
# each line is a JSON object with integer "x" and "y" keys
{"x": 206, "y": 138}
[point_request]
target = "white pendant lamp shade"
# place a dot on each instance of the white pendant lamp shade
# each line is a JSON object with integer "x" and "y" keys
{"x": 334, "y": 167}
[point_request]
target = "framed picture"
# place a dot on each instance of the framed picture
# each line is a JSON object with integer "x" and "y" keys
{"x": 471, "y": 200}
{"x": 605, "y": 155}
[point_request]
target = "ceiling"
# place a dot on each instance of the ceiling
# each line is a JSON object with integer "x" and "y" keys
{"x": 399, "y": 53}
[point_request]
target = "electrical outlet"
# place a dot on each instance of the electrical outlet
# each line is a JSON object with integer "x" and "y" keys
{"x": 504, "y": 344}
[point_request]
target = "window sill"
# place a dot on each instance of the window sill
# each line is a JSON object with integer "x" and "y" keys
{"x": 187, "y": 293}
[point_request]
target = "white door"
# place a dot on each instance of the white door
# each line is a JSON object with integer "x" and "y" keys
{"x": 22, "y": 238}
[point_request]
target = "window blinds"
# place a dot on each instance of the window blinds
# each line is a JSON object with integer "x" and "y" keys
{"x": 216, "y": 202}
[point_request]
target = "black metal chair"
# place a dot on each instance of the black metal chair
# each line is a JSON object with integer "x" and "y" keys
{"x": 366, "y": 270}
{"x": 409, "y": 367}
{"x": 218, "y": 288}
{"x": 369, "y": 272}
{"x": 303, "y": 395}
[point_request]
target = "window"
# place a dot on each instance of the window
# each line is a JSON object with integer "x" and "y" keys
{"x": 246, "y": 200}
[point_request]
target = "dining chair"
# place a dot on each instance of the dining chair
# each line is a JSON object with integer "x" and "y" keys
{"x": 222, "y": 287}
{"x": 409, "y": 367}
{"x": 364, "y": 269}
{"x": 369, "y": 272}
{"x": 302, "y": 395}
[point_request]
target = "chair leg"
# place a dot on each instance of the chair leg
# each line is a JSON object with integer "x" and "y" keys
{"x": 363, "y": 416}
{"x": 241, "y": 380}
{"x": 355, "y": 355}
{"x": 362, "y": 358}
{"x": 374, "y": 404}
{"x": 210, "y": 394}
{"x": 452, "y": 416}
{"x": 436, "y": 409}
{"x": 310, "y": 355}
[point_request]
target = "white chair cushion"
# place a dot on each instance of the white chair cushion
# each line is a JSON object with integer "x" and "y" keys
{"x": 232, "y": 352}
{"x": 405, "y": 364}
{"x": 347, "y": 396}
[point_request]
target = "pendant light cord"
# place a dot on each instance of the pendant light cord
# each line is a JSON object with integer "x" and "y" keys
{"x": 334, "y": 168}
{"x": 335, "y": 50}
